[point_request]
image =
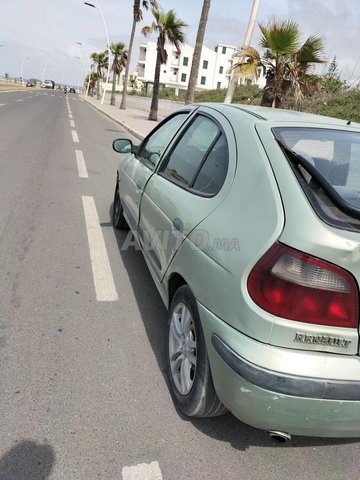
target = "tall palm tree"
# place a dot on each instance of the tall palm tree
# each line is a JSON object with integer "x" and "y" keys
{"x": 169, "y": 28}
{"x": 119, "y": 62}
{"x": 137, "y": 17}
{"x": 100, "y": 62}
{"x": 287, "y": 63}
{"x": 197, "y": 52}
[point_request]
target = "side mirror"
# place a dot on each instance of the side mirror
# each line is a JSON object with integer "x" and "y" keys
{"x": 122, "y": 145}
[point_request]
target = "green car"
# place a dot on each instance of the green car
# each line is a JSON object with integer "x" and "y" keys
{"x": 249, "y": 221}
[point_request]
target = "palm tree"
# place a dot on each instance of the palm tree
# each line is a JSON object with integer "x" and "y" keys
{"x": 133, "y": 84}
{"x": 91, "y": 77}
{"x": 100, "y": 62}
{"x": 119, "y": 62}
{"x": 137, "y": 17}
{"x": 287, "y": 64}
{"x": 197, "y": 52}
{"x": 168, "y": 27}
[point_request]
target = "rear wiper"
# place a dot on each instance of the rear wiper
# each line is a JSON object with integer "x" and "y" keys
{"x": 337, "y": 199}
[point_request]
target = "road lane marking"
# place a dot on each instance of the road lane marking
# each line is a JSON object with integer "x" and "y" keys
{"x": 72, "y": 123}
{"x": 81, "y": 164}
{"x": 19, "y": 100}
{"x": 103, "y": 278}
{"x": 2, "y": 104}
{"x": 29, "y": 97}
{"x": 75, "y": 136}
{"x": 142, "y": 471}
{"x": 70, "y": 116}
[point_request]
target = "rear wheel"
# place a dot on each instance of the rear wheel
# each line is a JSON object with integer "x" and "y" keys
{"x": 118, "y": 218}
{"x": 190, "y": 378}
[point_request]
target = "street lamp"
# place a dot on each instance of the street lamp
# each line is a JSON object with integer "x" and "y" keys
{"x": 21, "y": 69}
{"x": 43, "y": 72}
{"x": 108, "y": 45}
{"x": 89, "y": 66}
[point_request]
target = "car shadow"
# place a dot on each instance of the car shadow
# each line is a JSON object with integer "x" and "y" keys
{"x": 226, "y": 428}
{"x": 27, "y": 460}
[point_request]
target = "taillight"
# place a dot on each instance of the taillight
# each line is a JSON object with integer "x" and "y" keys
{"x": 296, "y": 286}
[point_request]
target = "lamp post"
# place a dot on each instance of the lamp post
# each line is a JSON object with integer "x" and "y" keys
{"x": 21, "y": 69}
{"x": 108, "y": 45}
{"x": 89, "y": 66}
{"x": 43, "y": 72}
{"x": 248, "y": 35}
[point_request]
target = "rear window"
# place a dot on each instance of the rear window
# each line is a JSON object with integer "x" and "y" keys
{"x": 335, "y": 156}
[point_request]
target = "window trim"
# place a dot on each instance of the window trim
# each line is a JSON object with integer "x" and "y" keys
{"x": 166, "y": 158}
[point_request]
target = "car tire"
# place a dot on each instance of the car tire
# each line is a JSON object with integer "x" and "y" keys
{"x": 189, "y": 372}
{"x": 118, "y": 218}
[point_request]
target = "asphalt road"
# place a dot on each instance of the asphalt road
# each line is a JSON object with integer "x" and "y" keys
{"x": 83, "y": 391}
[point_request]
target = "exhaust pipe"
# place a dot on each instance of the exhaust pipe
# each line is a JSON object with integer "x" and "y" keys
{"x": 281, "y": 437}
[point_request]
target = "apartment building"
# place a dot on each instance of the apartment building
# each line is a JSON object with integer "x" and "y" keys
{"x": 214, "y": 68}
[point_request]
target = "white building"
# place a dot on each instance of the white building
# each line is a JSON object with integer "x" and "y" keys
{"x": 214, "y": 69}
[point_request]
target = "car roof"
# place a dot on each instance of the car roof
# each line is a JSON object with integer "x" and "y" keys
{"x": 278, "y": 115}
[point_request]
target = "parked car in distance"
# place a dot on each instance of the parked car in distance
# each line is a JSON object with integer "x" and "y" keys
{"x": 31, "y": 83}
{"x": 48, "y": 84}
{"x": 72, "y": 90}
{"x": 249, "y": 222}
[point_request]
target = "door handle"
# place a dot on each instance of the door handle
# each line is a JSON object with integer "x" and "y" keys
{"x": 178, "y": 224}
{"x": 139, "y": 186}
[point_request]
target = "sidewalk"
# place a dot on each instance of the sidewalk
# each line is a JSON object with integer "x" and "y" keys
{"x": 135, "y": 120}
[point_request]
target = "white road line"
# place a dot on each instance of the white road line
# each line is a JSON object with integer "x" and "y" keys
{"x": 75, "y": 136}
{"x": 2, "y": 104}
{"x": 103, "y": 277}
{"x": 72, "y": 123}
{"x": 29, "y": 97}
{"x": 142, "y": 471}
{"x": 70, "y": 116}
{"x": 19, "y": 100}
{"x": 81, "y": 164}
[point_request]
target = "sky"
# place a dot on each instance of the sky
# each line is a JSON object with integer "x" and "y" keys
{"x": 39, "y": 36}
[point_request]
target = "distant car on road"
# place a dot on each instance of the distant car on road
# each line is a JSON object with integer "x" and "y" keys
{"x": 249, "y": 221}
{"x": 48, "y": 84}
{"x": 31, "y": 82}
{"x": 72, "y": 90}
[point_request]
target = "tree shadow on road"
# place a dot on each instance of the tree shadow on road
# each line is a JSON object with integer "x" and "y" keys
{"x": 27, "y": 460}
{"x": 226, "y": 428}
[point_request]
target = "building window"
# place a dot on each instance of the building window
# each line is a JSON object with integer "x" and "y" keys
{"x": 205, "y": 64}
{"x": 183, "y": 77}
{"x": 218, "y": 85}
{"x": 186, "y": 61}
{"x": 224, "y": 50}
{"x": 202, "y": 80}
{"x": 216, "y": 49}
{"x": 221, "y": 70}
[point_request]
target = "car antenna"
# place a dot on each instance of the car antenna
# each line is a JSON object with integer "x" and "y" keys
{"x": 348, "y": 122}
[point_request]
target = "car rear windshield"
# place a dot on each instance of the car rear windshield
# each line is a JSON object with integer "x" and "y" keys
{"x": 327, "y": 163}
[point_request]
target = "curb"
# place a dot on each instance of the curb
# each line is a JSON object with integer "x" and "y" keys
{"x": 136, "y": 134}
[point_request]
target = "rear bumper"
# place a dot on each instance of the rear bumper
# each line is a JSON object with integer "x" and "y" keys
{"x": 278, "y": 399}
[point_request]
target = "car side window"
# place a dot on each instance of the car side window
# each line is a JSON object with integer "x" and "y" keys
{"x": 212, "y": 174}
{"x": 191, "y": 151}
{"x": 155, "y": 144}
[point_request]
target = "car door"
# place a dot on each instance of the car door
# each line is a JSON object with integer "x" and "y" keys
{"x": 191, "y": 181}
{"x": 138, "y": 167}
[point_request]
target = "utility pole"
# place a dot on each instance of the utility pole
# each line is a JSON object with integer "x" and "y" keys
{"x": 249, "y": 32}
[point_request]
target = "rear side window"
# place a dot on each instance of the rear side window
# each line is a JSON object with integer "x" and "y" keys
{"x": 200, "y": 159}
{"x": 335, "y": 156}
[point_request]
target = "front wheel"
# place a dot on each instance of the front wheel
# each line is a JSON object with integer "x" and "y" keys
{"x": 190, "y": 378}
{"x": 118, "y": 218}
